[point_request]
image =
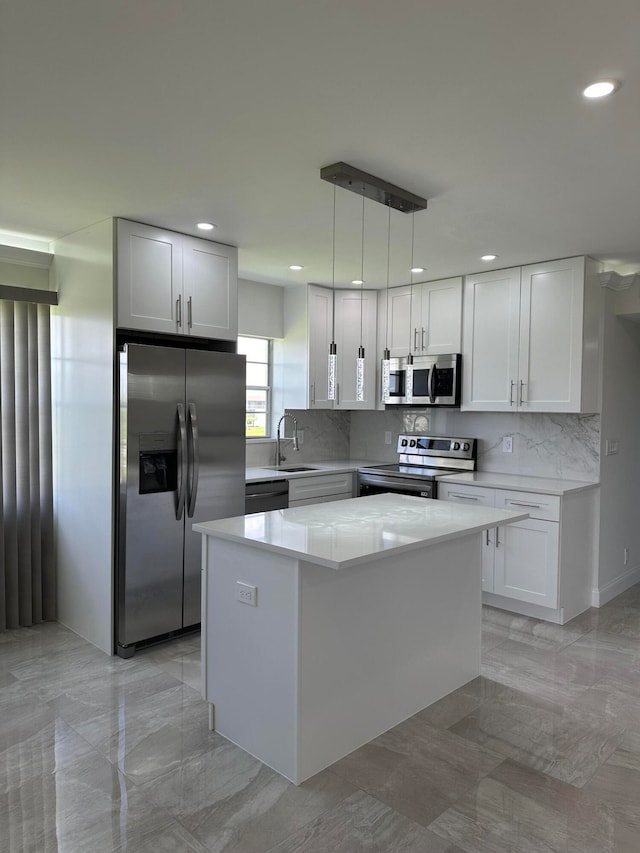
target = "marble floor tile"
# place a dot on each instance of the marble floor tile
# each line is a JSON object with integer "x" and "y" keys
{"x": 538, "y": 672}
{"x": 525, "y": 629}
{"x": 542, "y": 735}
{"x": 252, "y": 812}
{"x": 362, "y": 824}
{"x": 518, "y": 809}
{"x": 617, "y": 782}
{"x": 417, "y": 768}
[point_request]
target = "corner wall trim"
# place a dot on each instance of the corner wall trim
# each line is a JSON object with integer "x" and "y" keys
{"x": 602, "y": 595}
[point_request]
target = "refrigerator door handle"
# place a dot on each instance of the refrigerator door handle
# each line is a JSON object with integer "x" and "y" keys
{"x": 182, "y": 444}
{"x": 194, "y": 461}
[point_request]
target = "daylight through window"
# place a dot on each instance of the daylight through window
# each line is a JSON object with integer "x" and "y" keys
{"x": 258, "y": 405}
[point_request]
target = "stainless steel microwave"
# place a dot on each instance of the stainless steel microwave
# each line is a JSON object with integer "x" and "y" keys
{"x": 436, "y": 381}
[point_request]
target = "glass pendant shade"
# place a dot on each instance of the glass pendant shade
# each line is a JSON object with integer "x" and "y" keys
{"x": 331, "y": 374}
{"x": 360, "y": 375}
{"x": 386, "y": 375}
{"x": 408, "y": 380}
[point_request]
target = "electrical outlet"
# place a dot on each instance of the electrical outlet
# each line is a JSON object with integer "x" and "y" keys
{"x": 387, "y": 437}
{"x": 246, "y": 594}
{"x": 611, "y": 447}
{"x": 507, "y": 444}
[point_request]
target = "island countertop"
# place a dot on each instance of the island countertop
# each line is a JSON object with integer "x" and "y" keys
{"x": 346, "y": 533}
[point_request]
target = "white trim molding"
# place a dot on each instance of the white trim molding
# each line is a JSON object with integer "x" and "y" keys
{"x": 614, "y": 281}
{"x": 602, "y": 595}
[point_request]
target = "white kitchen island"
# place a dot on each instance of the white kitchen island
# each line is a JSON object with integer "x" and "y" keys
{"x": 367, "y": 610}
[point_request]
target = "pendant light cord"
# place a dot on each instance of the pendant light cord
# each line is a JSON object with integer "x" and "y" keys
{"x": 413, "y": 220}
{"x": 362, "y": 265}
{"x": 386, "y": 327}
{"x": 333, "y": 271}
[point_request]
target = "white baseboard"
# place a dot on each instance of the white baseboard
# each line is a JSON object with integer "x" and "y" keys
{"x": 601, "y": 595}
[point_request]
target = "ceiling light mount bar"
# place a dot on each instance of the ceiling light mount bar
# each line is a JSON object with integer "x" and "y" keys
{"x": 349, "y": 178}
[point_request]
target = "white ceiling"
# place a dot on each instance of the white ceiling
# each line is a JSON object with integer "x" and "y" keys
{"x": 172, "y": 112}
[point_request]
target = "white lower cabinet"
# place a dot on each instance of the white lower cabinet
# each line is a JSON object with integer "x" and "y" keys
{"x": 320, "y": 488}
{"x": 542, "y": 566}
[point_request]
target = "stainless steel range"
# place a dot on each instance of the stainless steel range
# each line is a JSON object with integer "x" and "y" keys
{"x": 421, "y": 459}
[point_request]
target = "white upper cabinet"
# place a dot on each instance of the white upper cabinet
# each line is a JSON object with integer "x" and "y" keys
{"x": 301, "y": 358}
{"x": 210, "y": 289}
{"x": 356, "y": 318}
{"x": 490, "y": 340}
{"x": 172, "y": 283}
{"x": 530, "y": 340}
{"x": 425, "y": 319}
{"x": 438, "y": 315}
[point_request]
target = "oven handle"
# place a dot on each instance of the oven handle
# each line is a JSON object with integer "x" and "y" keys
{"x": 393, "y": 484}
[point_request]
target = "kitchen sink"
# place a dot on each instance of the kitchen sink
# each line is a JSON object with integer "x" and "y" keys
{"x": 292, "y": 469}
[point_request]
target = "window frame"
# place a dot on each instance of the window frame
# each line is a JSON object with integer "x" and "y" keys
{"x": 267, "y": 388}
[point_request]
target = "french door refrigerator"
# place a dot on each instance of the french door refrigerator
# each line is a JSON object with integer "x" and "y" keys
{"x": 182, "y": 460}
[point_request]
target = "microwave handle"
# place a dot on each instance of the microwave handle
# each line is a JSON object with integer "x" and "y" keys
{"x": 432, "y": 384}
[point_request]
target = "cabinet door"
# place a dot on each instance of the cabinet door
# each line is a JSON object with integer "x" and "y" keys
{"x": 319, "y": 320}
{"x": 440, "y": 323}
{"x": 210, "y": 285}
{"x": 149, "y": 286}
{"x": 400, "y": 330}
{"x": 475, "y": 496}
{"x": 356, "y": 309}
{"x": 551, "y": 317}
{"x": 490, "y": 341}
{"x": 526, "y": 562}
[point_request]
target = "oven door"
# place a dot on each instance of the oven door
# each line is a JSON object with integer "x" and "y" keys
{"x": 373, "y": 484}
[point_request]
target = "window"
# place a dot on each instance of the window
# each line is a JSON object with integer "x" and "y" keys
{"x": 258, "y": 406}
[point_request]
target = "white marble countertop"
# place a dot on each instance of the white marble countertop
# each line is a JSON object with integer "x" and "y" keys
{"x": 518, "y": 483}
{"x": 332, "y": 466}
{"x": 358, "y": 530}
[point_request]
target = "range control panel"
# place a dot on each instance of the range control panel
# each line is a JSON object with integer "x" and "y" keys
{"x": 437, "y": 445}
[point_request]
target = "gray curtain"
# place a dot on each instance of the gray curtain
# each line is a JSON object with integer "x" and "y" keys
{"x": 27, "y": 565}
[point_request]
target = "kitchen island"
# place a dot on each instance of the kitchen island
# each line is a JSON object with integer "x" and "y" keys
{"x": 326, "y": 625}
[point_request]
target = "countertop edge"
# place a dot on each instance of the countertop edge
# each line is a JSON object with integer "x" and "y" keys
{"x": 540, "y": 485}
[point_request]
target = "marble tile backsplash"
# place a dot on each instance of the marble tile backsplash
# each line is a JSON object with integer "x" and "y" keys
{"x": 544, "y": 445}
{"x": 326, "y": 437}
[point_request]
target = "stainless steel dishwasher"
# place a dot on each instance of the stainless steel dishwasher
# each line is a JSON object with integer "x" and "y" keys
{"x": 266, "y": 495}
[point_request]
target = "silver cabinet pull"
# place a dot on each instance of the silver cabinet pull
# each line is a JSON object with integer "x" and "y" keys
{"x": 466, "y": 497}
{"x": 189, "y": 313}
{"x": 522, "y": 503}
{"x": 488, "y": 540}
{"x": 511, "y": 384}
{"x": 497, "y": 537}
{"x": 415, "y": 339}
{"x": 424, "y": 346}
{"x": 522, "y": 387}
{"x": 179, "y": 310}
{"x": 313, "y": 393}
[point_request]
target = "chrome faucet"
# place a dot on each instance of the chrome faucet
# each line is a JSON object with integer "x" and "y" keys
{"x": 279, "y": 457}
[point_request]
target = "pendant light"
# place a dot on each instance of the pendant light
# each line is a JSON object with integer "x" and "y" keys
{"x": 386, "y": 363}
{"x": 333, "y": 350}
{"x": 360, "y": 359}
{"x": 408, "y": 373}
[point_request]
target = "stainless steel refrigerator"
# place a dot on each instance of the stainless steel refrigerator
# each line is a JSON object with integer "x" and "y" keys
{"x": 182, "y": 460}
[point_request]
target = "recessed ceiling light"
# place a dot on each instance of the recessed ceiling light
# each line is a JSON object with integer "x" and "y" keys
{"x": 206, "y": 226}
{"x": 488, "y": 257}
{"x": 417, "y": 269}
{"x": 357, "y": 281}
{"x": 601, "y": 88}
{"x": 295, "y": 267}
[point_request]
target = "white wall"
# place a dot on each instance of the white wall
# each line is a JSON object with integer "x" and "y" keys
{"x": 620, "y": 473}
{"x": 82, "y": 341}
{"x": 260, "y": 309}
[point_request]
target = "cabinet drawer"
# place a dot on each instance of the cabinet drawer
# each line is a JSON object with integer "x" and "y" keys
{"x": 306, "y": 488}
{"x": 471, "y": 495}
{"x": 538, "y": 506}
{"x": 324, "y": 499}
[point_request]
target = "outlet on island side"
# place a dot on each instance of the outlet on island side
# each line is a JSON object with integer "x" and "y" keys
{"x": 246, "y": 594}
{"x": 507, "y": 444}
{"x": 387, "y": 437}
